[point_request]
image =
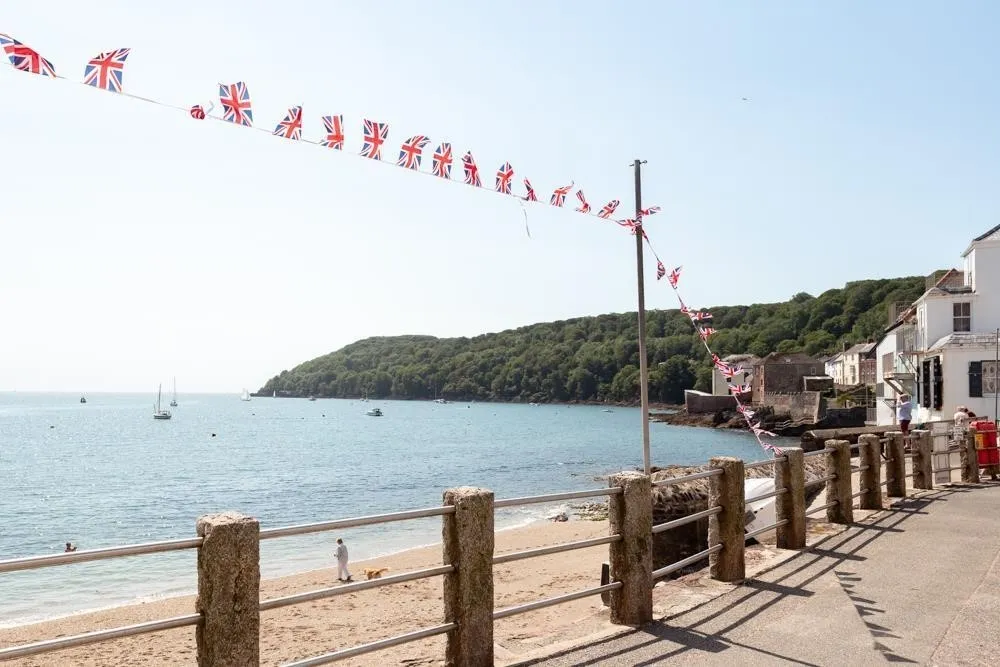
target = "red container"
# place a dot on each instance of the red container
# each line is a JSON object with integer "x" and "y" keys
{"x": 986, "y": 443}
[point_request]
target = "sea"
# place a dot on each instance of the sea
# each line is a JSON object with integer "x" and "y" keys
{"x": 105, "y": 473}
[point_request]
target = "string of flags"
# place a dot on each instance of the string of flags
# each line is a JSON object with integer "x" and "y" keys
{"x": 700, "y": 321}
{"x": 106, "y": 72}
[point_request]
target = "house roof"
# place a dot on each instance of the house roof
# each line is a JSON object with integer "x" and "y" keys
{"x": 789, "y": 358}
{"x": 739, "y": 358}
{"x": 833, "y": 358}
{"x": 992, "y": 235}
{"x": 860, "y": 348}
{"x": 965, "y": 340}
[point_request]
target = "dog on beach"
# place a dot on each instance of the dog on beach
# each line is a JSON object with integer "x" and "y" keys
{"x": 375, "y": 573}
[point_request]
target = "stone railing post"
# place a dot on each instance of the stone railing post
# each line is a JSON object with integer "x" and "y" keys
{"x": 970, "y": 459}
{"x": 228, "y": 591}
{"x": 467, "y": 544}
{"x": 870, "y": 457}
{"x": 895, "y": 466}
{"x": 630, "y": 514}
{"x": 923, "y": 460}
{"x": 839, "y": 489}
{"x": 728, "y": 527}
{"x": 790, "y": 506}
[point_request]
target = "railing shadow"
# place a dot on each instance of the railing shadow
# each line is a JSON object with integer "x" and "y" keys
{"x": 756, "y": 596}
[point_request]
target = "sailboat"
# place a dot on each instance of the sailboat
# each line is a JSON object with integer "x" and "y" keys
{"x": 173, "y": 403}
{"x": 245, "y": 396}
{"x": 158, "y": 412}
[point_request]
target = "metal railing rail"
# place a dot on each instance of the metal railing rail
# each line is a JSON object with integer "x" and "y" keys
{"x": 558, "y": 548}
{"x": 822, "y": 507}
{"x": 684, "y": 520}
{"x": 338, "y": 524}
{"x": 559, "y": 599}
{"x": 818, "y": 452}
{"x": 694, "y": 558}
{"x": 555, "y": 497}
{"x": 764, "y": 464}
{"x": 715, "y": 472}
{"x": 327, "y": 658}
{"x": 51, "y": 560}
{"x": 48, "y": 645}
{"x": 765, "y": 529}
{"x": 322, "y": 593}
{"x": 765, "y": 496}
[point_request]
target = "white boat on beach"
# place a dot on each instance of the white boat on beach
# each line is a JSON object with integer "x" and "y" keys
{"x": 158, "y": 412}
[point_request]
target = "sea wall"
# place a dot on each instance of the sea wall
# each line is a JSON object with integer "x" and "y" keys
{"x": 698, "y": 402}
{"x": 806, "y": 406}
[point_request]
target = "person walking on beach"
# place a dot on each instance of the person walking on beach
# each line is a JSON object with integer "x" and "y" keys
{"x": 342, "y": 572}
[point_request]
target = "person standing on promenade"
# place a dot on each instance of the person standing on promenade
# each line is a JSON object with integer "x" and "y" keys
{"x": 342, "y": 573}
{"x": 904, "y": 413}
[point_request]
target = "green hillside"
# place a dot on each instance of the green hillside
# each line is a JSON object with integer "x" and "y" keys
{"x": 593, "y": 358}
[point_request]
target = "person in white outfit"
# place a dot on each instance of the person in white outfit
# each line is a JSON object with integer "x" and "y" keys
{"x": 342, "y": 572}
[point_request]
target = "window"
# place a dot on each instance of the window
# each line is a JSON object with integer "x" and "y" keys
{"x": 961, "y": 316}
{"x": 990, "y": 377}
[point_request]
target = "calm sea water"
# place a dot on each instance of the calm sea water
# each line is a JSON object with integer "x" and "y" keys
{"x": 105, "y": 473}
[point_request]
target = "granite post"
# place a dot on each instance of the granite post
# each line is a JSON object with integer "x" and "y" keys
{"x": 923, "y": 460}
{"x": 839, "y": 490}
{"x": 728, "y": 526}
{"x": 970, "y": 459}
{"x": 870, "y": 456}
{"x": 789, "y": 476}
{"x": 228, "y": 591}
{"x": 467, "y": 543}
{"x": 895, "y": 467}
{"x": 630, "y": 514}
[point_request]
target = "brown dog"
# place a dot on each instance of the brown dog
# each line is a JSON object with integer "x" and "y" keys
{"x": 375, "y": 573}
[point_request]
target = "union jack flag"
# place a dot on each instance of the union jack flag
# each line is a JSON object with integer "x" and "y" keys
{"x": 291, "y": 126}
{"x": 674, "y": 276}
{"x": 198, "y": 112}
{"x": 471, "y": 170}
{"x": 334, "y": 126}
{"x": 608, "y": 209}
{"x": 662, "y": 271}
{"x": 235, "y": 100}
{"x": 705, "y": 332}
{"x": 411, "y": 151}
{"x": 375, "y": 136}
{"x": 559, "y": 195}
{"x": 531, "y": 196}
{"x": 740, "y": 389}
{"x": 441, "y": 161}
{"x": 652, "y": 210}
{"x": 505, "y": 174}
{"x": 745, "y": 411}
{"x": 24, "y": 58}
{"x": 105, "y": 71}
{"x": 758, "y": 431}
{"x": 584, "y": 206}
{"x": 699, "y": 316}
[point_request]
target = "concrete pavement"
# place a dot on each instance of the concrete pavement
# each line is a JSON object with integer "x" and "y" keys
{"x": 917, "y": 584}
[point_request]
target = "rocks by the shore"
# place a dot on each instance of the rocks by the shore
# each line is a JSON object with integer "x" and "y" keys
{"x": 592, "y": 511}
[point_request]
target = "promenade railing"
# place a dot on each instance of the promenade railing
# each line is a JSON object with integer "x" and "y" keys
{"x": 227, "y": 619}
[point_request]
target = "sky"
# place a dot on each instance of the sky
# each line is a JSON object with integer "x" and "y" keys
{"x": 140, "y": 245}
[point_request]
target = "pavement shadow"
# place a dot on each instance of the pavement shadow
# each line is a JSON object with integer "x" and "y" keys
{"x": 682, "y": 632}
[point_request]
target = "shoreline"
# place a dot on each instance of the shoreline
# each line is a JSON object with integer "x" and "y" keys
{"x": 300, "y": 631}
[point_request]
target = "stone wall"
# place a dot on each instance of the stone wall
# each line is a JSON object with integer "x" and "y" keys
{"x": 787, "y": 377}
{"x": 698, "y": 402}
{"x": 806, "y": 406}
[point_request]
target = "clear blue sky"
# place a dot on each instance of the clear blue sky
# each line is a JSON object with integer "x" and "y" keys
{"x": 139, "y": 244}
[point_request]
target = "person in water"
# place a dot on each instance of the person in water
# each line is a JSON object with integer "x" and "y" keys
{"x": 70, "y": 547}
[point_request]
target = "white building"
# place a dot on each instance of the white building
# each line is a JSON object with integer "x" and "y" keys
{"x": 942, "y": 349}
{"x": 834, "y": 367}
{"x": 720, "y": 386}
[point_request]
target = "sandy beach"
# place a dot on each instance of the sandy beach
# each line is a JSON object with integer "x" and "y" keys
{"x": 313, "y": 628}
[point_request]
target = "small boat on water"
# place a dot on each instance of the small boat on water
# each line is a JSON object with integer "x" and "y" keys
{"x": 245, "y": 396}
{"x": 374, "y": 412}
{"x": 441, "y": 401}
{"x": 312, "y": 398}
{"x": 173, "y": 401}
{"x": 158, "y": 412}
{"x": 83, "y": 399}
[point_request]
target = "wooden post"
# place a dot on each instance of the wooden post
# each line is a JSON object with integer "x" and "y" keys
{"x": 839, "y": 489}
{"x": 728, "y": 527}
{"x": 468, "y": 591}
{"x": 970, "y": 460}
{"x": 790, "y": 506}
{"x": 630, "y": 514}
{"x": 870, "y": 456}
{"x": 895, "y": 467}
